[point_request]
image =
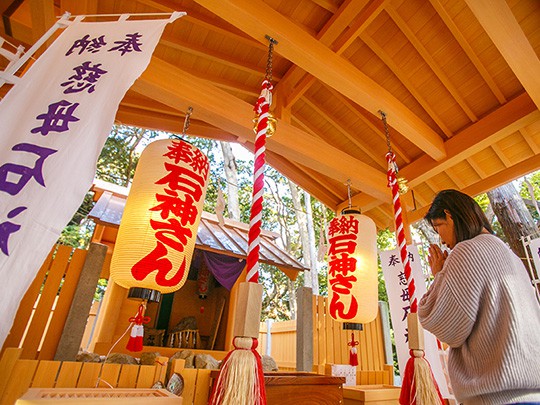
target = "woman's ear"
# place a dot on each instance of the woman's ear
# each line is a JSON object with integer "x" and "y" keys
{"x": 448, "y": 215}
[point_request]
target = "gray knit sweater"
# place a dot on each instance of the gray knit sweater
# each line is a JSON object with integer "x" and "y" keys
{"x": 482, "y": 304}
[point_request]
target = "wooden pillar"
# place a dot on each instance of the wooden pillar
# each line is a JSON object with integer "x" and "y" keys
{"x": 109, "y": 314}
{"x": 231, "y": 311}
{"x": 387, "y": 339}
{"x": 73, "y": 332}
{"x": 304, "y": 330}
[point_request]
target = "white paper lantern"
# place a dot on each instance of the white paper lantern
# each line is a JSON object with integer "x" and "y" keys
{"x": 158, "y": 231}
{"x": 352, "y": 268}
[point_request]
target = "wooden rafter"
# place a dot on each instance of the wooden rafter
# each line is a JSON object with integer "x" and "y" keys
{"x": 258, "y": 19}
{"x": 80, "y": 7}
{"x": 368, "y": 120}
{"x": 226, "y": 31}
{"x": 460, "y": 38}
{"x": 43, "y": 17}
{"x": 355, "y": 139}
{"x": 491, "y": 182}
{"x": 388, "y": 61}
{"x": 497, "y": 20}
{"x": 214, "y": 56}
{"x": 176, "y": 88}
{"x": 326, "y": 4}
{"x": 434, "y": 66}
{"x": 507, "y": 119}
{"x": 328, "y": 34}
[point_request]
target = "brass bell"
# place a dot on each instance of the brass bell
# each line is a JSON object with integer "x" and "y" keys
{"x": 272, "y": 122}
{"x": 402, "y": 185}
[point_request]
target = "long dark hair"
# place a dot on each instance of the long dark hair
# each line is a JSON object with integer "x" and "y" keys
{"x": 469, "y": 219}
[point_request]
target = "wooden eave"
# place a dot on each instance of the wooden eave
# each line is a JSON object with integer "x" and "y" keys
{"x": 229, "y": 238}
{"x": 457, "y": 79}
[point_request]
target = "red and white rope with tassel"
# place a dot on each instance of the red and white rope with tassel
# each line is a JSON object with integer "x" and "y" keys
{"x": 400, "y": 232}
{"x": 262, "y": 107}
{"x": 418, "y": 384}
{"x": 135, "y": 342}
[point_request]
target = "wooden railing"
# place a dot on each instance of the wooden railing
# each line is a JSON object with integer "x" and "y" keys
{"x": 330, "y": 345}
{"x": 43, "y": 311}
{"x": 18, "y": 375}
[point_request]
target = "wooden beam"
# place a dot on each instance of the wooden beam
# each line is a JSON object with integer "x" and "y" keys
{"x": 527, "y": 137}
{"x": 405, "y": 81}
{"x": 369, "y": 120}
{"x": 378, "y": 158}
{"x": 467, "y": 48}
{"x": 179, "y": 89}
{"x": 215, "y": 56}
{"x": 326, "y": 4}
{"x": 327, "y": 35}
{"x": 43, "y": 18}
{"x": 430, "y": 61}
{"x": 500, "y": 24}
{"x": 79, "y": 7}
{"x": 489, "y": 183}
{"x": 225, "y": 30}
{"x": 258, "y": 19}
{"x": 500, "y": 123}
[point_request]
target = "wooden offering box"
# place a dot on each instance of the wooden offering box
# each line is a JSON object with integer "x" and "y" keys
{"x": 98, "y": 396}
{"x": 301, "y": 388}
{"x": 371, "y": 394}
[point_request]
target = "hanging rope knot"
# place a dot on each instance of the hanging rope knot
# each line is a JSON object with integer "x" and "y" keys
{"x": 265, "y": 97}
{"x": 245, "y": 343}
{"x": 417, "y": 353}
{"x": 392, "y": 169}
{"x": 353, "y": 342}
{"x": 140, "y": 319}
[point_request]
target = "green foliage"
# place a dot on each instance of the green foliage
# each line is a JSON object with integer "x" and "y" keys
{"x": 120, "y": 155}
{"x": 386, "y": 240}
{"x": 277, "y": 292}
{"x": 79, "y": 231}
{"x": 534, "y": 179}
{"x": 100, "y": 289}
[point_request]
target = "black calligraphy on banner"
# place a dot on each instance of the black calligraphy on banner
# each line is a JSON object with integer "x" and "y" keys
{"x": 58, "y": 117}
{"x": 393, "y": 261}
{"x": 183, "y": 188}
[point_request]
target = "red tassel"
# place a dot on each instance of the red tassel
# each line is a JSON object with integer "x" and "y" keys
{"x": 135, "y": 342}
{"x": 353, "y": 353}
{"x": 409, "y": 393}
{"x": 407, "y": 384}
{"x": 353, "y": 357}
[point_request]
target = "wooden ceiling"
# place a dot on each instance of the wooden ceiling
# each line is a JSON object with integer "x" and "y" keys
{"x": 459, "y": 81}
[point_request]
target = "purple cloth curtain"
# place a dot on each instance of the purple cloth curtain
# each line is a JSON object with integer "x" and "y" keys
{"x": 226, "y": 269}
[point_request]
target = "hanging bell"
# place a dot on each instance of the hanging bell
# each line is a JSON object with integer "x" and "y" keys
{"x": 272, "y": 122}
{"x": 402, "y": 185}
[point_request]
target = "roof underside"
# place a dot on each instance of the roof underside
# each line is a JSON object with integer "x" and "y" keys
{"x": 229, "y": 238}
{"x": 458, "y": 80}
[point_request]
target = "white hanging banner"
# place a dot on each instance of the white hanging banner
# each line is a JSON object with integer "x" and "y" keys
{"x": 54, "y": 124}
{"x": 398, "y": 300}
{"x": 534, "y": 245}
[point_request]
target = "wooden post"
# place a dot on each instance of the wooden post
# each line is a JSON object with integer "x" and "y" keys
{"x": 415, "y": 330}
{"x": 231, "y": 311}
{"x": 73, "y": 332}
{"x": 304, "y": 330}
{"x": 248, "y": 310}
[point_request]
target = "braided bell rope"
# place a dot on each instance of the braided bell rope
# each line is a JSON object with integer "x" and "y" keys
{"x": 262, "y": 108}
{"x": 400, "y": 232}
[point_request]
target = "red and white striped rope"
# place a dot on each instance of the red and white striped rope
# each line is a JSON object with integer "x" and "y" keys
{"x": 262, "y": 108}
{"x": 400, "y": 232}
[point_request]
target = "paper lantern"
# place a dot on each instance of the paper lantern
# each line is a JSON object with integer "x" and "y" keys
{"x": 352, "y": 268}
{"x": 158, "y": 231}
